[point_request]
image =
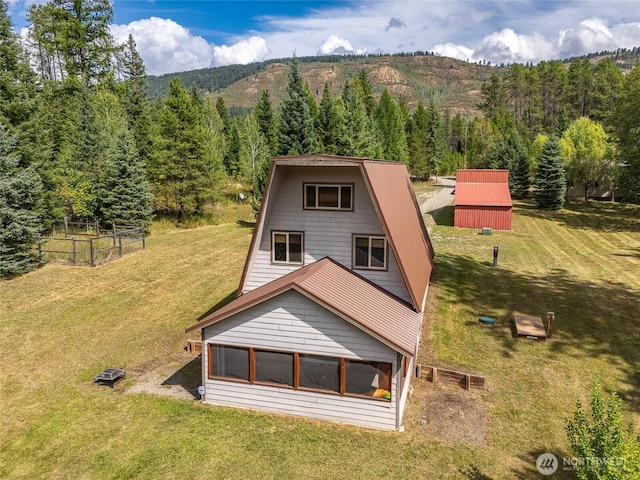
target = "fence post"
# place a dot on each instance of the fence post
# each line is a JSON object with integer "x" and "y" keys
{"x": 73, "y": 247}
{"x": 91, "y": 251}
{"x": 120, "y": 244}
{"x": 97, "y": 227}
{"x": 143, "y": 237}
{"x": 66, "y": 226}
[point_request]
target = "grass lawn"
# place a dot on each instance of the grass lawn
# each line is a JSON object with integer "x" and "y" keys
{"x": 60, "y": 325}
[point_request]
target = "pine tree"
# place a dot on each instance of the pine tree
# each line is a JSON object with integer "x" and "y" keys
{"x": 627, "y": 129}
{"x": 358, "y": 133}
{"x": 550, "y": 183}
{"x": 392, "y": 129}
{"x": 185, "y": 173}
{"x": 297, "y": 132}
{"x": 19, "y": 223}
{"x": 18, "y": 102}
{"x": 267, "y": 121}
{"x": 520, "y": 170}
{"x": 329, "y": 123}
{"x": 125, "y": 194}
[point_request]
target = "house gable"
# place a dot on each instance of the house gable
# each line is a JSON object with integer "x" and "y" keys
{"x": 384, "y": 204}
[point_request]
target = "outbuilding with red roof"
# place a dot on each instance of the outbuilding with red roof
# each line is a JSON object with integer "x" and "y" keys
{"x": 482, "y": 199}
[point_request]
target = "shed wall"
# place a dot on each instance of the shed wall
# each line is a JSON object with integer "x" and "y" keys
{"x": 292, "y": 322}
{"x": 497, "y": 218}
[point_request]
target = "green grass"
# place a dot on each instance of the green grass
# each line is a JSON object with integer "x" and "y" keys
{"x": 61, "y": 325}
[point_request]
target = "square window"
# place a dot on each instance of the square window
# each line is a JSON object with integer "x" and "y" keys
{"x": 287, "y": 247}
{"x": 370, "y": 252}
{"x": 274, "y": 367}
{"x": 320, "y": 373}
{"x": 368, "y": 378}
{"x": 229, "y": 362}
{"x": 328, "y": 197}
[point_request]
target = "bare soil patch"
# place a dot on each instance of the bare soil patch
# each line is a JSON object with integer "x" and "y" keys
{"x": 178, "y": 377}
{"x": 447, "y": 413}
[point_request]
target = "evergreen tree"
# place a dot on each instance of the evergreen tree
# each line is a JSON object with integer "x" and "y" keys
{"x": 519, "y": 175}
{"x": 358, "y": 137}
{"x": 392, "y": 129}
{"x": 330, "y": 123}
{"x": 418, "y": 154}
{"x": 185, "y": 173}
{"x": 17, "y": 90}
{"x": 550, "y": 183}
{"x": 73, "y": 41}
{"x": 125, "y": 194}
{"x": 267, "y": 121}
{"x": 607, "y": 84}
{"x": 364, "y": 88}
{"x": 580, "y": 85}
{"x": 19, "y": 222}
{"x": 627, "y": 130}
{"x": 297, "y": 132}
{"x": 608, "y": 448}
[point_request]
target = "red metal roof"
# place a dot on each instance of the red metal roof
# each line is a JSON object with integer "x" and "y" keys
{"x": 483, "y": 194}
{"x": 345, "y": 293}
{"x": 483, "y": 188}
{"x": 482, "y": 176}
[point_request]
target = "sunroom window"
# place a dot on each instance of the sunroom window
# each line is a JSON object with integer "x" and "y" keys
{"x": 286, "y": 247}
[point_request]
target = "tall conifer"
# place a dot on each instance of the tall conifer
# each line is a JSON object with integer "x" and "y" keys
{"x": 19, "y": 222}
{"x": 550, "y": 182}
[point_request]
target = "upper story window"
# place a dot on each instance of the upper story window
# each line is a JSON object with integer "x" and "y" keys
{"x": 369, "y": 252}
{"x": 286, "y": 247}
{"x": 328, "y": 196}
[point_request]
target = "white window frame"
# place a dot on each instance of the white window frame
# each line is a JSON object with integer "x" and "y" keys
{"x": 369, "y": 266}
{"x": 288, "y": 261}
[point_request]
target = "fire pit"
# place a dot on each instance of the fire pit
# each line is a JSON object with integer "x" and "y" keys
{"x": 110, "y": 376}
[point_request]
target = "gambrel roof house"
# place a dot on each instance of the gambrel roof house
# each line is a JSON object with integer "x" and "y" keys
{"x": 328, "y": 314}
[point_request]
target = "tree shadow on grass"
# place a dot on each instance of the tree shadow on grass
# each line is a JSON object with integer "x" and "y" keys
{"x": 563, "y": 471}
{"x": 245, "y": 224}
{"x": 591, "y": 319}
{"x": 443, "y": 216}
{"x": 228, "y": 298}
{"x": 592, "y": 215}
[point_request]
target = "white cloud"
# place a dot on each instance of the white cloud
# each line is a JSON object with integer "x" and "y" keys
{"x": 508, "y": 46}
{"x": 165, "y": 46}
{"x": 333, "y": 44}
{"x": 454, "y": 51}
{"x": 591, "y": 35}
{"x": 254, "y": 49}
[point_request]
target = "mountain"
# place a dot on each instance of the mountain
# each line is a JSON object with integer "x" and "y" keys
{"x": 448, "y": 82}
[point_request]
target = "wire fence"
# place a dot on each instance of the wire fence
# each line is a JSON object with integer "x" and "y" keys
{"x": 86, "y": 243}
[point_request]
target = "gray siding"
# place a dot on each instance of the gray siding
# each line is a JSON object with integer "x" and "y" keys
{"x": 293, "y": 322}
{"x": 326, "y": 233}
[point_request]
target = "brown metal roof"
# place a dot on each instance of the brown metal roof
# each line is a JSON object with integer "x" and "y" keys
{"x": 390, "y": 189}
{"x": 395, "y": 201}
{"x": 346, "y": 294}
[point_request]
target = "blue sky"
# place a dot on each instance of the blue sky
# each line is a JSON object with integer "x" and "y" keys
{"x": 186, "y": 35}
